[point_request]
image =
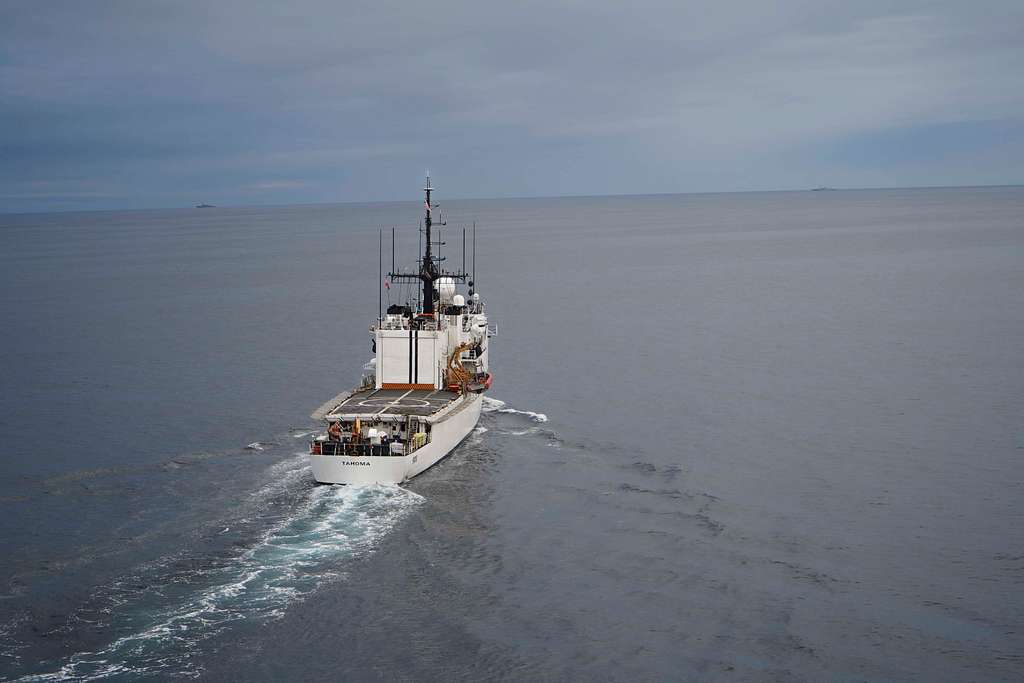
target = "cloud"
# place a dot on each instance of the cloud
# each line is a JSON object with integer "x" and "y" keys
{"x": 351, "y": 101}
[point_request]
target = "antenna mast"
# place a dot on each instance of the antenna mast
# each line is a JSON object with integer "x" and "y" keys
{"x": 380, "y": 275}
{"x": 430, "y": 270}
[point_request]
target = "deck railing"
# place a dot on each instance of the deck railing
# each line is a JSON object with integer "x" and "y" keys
{"x": 357, "y": 449}
{"x": 352, "y": 449}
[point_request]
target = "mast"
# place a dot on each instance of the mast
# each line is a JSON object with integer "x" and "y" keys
{"x": 430, "y": 266}
{"x": 380, "y": 275}
{"x": 428, "y": 271}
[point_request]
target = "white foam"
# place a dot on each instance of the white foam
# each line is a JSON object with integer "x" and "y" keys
{"x": 489, "y": 405}
{"x": 493, "y": 405}
{"x": 285, "y": 564}
{"x": 255, "y": 446}
{"x": 536, "y": 417}
{"x": 283, "y": 475}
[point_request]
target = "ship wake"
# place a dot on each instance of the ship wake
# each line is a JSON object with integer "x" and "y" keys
{"x": 164, "y": 612}
{"x": 509, "y": 421}
{"x": 493, "y": 405}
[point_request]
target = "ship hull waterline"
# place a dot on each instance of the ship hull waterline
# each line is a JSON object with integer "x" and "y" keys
{"x": 395, "y": 469}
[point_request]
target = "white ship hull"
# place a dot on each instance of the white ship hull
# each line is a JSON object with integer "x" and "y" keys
{"x": 395, "y": 469}
{"x": 429, "y": 371}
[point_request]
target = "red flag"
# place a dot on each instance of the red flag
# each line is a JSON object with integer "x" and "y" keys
{"x": 387, "y": 285}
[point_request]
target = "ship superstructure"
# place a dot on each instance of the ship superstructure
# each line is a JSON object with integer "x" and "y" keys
{"x": 429, "y": 373}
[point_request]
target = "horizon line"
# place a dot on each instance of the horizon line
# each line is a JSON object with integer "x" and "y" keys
{"x": 519, "y": 197}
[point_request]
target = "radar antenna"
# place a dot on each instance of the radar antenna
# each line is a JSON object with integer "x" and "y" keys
{"x": 430, "y": 266}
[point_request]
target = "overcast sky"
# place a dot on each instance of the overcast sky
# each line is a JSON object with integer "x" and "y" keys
{"x": 156, "y": 104}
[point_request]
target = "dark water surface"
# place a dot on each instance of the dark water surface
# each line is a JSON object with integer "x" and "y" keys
{"x": 733, "y": 437}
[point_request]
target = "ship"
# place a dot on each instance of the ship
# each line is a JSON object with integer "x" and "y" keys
{"x": 424, "y": 392}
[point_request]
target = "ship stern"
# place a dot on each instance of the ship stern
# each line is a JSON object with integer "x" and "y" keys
{"x": 343, "y": 469}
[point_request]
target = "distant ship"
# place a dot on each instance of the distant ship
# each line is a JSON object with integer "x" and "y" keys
{"x": 822, "y": 189}
{"x": 205, "y": 206}
{"x": 425, "y": 393}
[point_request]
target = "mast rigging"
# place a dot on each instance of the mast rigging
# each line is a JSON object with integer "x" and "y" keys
{"x": 430, "y": 270}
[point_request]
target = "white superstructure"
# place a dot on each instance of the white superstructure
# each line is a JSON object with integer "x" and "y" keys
{"x": 425, "y": 394}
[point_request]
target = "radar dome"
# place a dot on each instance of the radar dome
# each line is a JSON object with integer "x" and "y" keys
{"x": 445, "y": 289}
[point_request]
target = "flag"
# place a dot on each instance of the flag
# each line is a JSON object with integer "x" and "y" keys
{"x": 387, "y": 285}
{"x": 426, "y": 204}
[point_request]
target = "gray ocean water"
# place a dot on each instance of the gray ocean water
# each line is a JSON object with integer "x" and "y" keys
{"x": 738, "y": 437}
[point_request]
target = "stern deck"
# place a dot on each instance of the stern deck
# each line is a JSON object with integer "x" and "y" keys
{"x": 397, "y": 402}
